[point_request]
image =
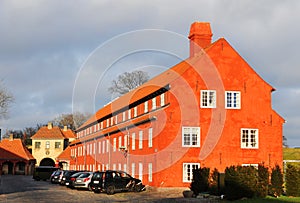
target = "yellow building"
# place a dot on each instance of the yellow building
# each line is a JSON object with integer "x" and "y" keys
{"x": 49, "y": 142}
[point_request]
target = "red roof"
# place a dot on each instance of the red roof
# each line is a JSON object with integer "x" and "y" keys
{"x": 14, "y": 149}
{"x": 68, "y": 134}
{"x": 65, "y": 155}
{"x": 53, "y": 133}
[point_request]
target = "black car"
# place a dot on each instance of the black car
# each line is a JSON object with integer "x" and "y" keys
{"x": 66, "y": 176}
{"x": 112, "y": 181}
{"x": 56, "y": 176}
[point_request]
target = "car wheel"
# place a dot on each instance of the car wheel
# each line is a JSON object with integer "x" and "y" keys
{"x": 110, "y": 190}
{"x": 89, "y": 187}
{"x": 138, "y": 188}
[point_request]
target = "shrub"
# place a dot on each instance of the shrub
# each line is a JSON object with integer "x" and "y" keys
{"x": 214, "y": 185}
{"x": 292, "y": 178}
{"x": 200, "y": 180}
{"x": 240, "y": 182}
{"x": 262, "y": 181}
{"x": 276, "y": 187}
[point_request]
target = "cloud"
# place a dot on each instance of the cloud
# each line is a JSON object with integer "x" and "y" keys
{"x": 44, "y": 44}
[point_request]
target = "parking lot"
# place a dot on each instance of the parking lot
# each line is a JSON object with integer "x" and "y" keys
{"x": 25, "y": 189}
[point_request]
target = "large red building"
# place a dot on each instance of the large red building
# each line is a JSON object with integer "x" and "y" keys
{"x": 211, "y": 110}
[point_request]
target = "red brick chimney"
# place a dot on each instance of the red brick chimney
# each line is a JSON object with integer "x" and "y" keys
{"x": 200, "y": 37}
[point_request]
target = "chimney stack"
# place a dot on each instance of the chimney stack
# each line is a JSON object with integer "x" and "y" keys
{"x": 11, "y": 137}
{"x": 49, "y": 125}
{"x": 200, "y": 37}
{"x": 65, "y": 128}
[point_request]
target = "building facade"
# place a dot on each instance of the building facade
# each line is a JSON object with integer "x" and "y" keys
{"x": 210, "y": 110}
{"x": 15, "y": 159}
{"x": 49, "y": 142}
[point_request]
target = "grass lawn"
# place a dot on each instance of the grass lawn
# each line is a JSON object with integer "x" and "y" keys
{"x": 269, "y": 200}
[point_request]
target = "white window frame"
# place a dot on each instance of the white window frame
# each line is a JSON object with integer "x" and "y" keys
{"x": 99, "y": 147}
{"x": 47, "y": 145}
{"x": 232, "y": 99}
{"x": 129, "y": 114}
{"x": 205, "y": 99}
{"x": 141, "y": 171}
{"x": 135, "y": 111}
{"x": 188, "y": 134}
{"x": 162, "y": 99}
{"x": 116, "y": 119}
{"x": 107, "y": 146}
{"x": 141, "y": 139}
{"x": 150, "y": 172}
{"x": 120, "y": 142}
{"x": 103, "y": 147}
{"x": 133, "y": 141}
{"x": 133, "y": 170}
{"x": 154, "y": 103}
{"x": 247, "y": 141}
{"x": 146, "y": 107}
{"x": 115, "y": 144}
{"x": 150, "y": 137}
{"x": 123, "y": 116}
{"x": 187, "y": 171}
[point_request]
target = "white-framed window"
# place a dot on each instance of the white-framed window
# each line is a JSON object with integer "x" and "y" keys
{"x": 208, "y": 99}
{"x": 101, "y": 125}
{"x": 116, "y": 119}
{"x": 115, "y": 144}
{"x": 125, "y": 167}
{"x": 141, "y": 171}
{"x": 140, "y": 139}
{"x": 47, "y": 146}
{"x": 150, "y": 137}
{"x": 107, "y": 123}
{"x": 133, "y": 141}
{"x": 107, "y": 167}
{"x": 120, "y": 143}
{"x": 253, "y": 165}
{"x": 162, "y": 99}
{"x": 87, "y": 149}
{"x": 126, "y": 141}
{"x": 124, "y": 116}
{"x": 99, "y": 147}
{"x": 153, "y": 103}
{"x": 91, "y": 149}
{"x": 150, "y": 172}
{"x": 135, "y": 111}
{"x": 129, "y": 114}
{"x": 191, "y": 136}
{"x": 114, "y": 167}
{"x": 187, "y": 171}
{"x": 103, "y": 147}
{"x": 107, "y": 146}
{"x": 112, "y": 121}
{"x": 232, "y": 99}
{"x": 249, "y": 138}
{"x": 146, "y": 107}
{"x": 133, "y": 170}
{"x": 94, "y": 147}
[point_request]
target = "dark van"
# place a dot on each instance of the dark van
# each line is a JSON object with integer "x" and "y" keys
{"x": 43, "y": 172}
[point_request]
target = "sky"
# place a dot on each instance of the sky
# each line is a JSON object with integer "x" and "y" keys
{"x": 59, "y": 57}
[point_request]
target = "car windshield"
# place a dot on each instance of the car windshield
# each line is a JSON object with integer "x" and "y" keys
{"x": 57, "y": 173}
{"x": 84, "y": 175}
{"x": 76, "y": 174}
{"x": 97, "y": 175}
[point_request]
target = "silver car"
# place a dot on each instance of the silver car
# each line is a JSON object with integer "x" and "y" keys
{"x": 83, "y": 180}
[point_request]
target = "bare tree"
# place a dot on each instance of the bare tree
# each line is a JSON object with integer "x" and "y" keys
{"x": 6, "y": 98}
{"x": 128, "y": 81}
{"x": 73, "y": 121}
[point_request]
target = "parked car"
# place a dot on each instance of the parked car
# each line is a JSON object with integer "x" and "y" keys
{"x": 56, "y": 176}
{"x": 71, "y": 181}
{"x": 111, "y": 181}
{"x": 83, "y": 180}
{"x": 66, "y": 176}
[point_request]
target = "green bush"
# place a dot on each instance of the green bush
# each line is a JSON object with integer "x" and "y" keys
{"x": 214, "y": 183}
{"x": 276, "y": 187}
{"x": 292, "y": 178}
{"x": 200, "y": 181}
{"x": 262, "y": 181}
{"x": 240, "y": 181}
